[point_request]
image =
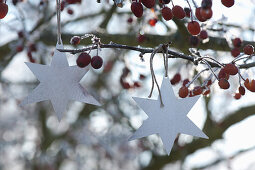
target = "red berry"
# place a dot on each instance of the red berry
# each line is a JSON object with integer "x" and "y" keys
{"x": 198, "y": 15}
{"x": 248, "y": 49}
{"x": 252, "y": 86}
{"x": 247, "y": 84}
{"x": 237, "y": 96}
{"x": 223, "y": 83}
{"x": 193, "y": 27}
{"x": 137, "y": 9}
{"x": 70, "y": 11}
{"x": 235, "y": 52}
{"x": 3, "y": 10}
{"x": 83, "y": 60}
{"x": 231, "y": 69}
{"x": 130, "y": 20}
{"x": 167, "y": 13}
{"x": 185, "y": 82}
{"x": 141, "y": 38}
{"x": 203, "y": 34}
{"x": 207, "y": 92}
{"x": 206, "y": 13}
{"x": 209, "y": 83}
{"x": 197, "y": 90}
{"x": 137, "y": 84}
{"x": 153, "y": 22}
{"x": 75, "y": 40}
{"x": 241, "y": 90}
{"x": 237, "y": 42}
{"x": 176, "y": 79}
{"x": 183, "y": 92}
{"x": 228, "y": 3}
{"x": 148, "y": 3}
{"x": 19, "y": 48}
{"x": 178, "y": 12}
{"x": 125, "y": 85}
{"x": 96, "y": 62}
{"x": 223, "y": 74}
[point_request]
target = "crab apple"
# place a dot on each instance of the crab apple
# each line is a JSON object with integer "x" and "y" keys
{"x": 130, "y": 20}
{"x": 194, "y": 41}
{"x": 241, "y": 90}
{"x": 228, "y": 3}
{"x": 148, "y": 3}
{"x": 223, "y": 74}
{"x": 141, "y": 38}
{"x": 187, "y": 12}
{"x": 203, "y": 34}
{"x": 83, "y": 60}
{"x": 206, "y": 13}
{"x": 70, "y": 11}
{"x": 247, "y": 84}
{"x": 183, "y": 92}
{"x": 248, "y": 49}
{"x": 178, "y": 12}
{"x": 197, "y": 90}
{"x": 237, "y": 96}
{"x": 209, "y": 82}
{"x": 193, "y": 27}
{"x": 185, "y": 82}
{"x": 176, "y": 79}
{"x": 137, "y": 9}
{"x": 237, "y": 42}
{"x": 3, "y": 10}
{"x": 137, "y": 84}
{"x": 96, "y": 62}
{"x": 19, "y": 48}
{"x": 252, "y": 86}
{"x": 75, "y": 40}
{"x": 206, "y": 4}
{"x": 198, "y": 15}
{"x": 153, "y": 22}
{"x": 207, "y": 92}
{"x": 223, "y": 83}
{"x": 230, "y": 69}
{"x": 167, "y": 13}
{"x": 235, "y": 52}
{"x": 125, "y": 85}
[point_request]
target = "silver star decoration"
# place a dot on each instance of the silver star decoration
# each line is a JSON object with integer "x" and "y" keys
{"x": 169, "y": 120}
{"x": 59, "y": 83}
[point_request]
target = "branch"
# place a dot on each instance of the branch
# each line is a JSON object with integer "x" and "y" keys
{"x": 143, "y": 50}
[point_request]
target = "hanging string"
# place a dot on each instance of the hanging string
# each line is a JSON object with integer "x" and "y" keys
{"x": 153, "y": 77}
{"x": 165, "y": 55}
{"x": 59, "y": 21}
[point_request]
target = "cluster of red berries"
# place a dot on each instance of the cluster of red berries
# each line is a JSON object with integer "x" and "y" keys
{"x": 30, "y": 47}
{"x": 3, "y": 9}
{"x": 127, "y": 85}
{"x": 184, "y": 90}
{"x": 84, "y": 59}
{"x": 225, "y": 72}
{"x": 237, "y": 43}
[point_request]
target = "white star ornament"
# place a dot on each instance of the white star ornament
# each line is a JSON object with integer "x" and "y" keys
{"x": 59, "y": 83}
{"x": 169, "y": 120}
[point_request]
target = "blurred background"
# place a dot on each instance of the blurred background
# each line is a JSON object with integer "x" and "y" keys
{"x": 95, "y": 138}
